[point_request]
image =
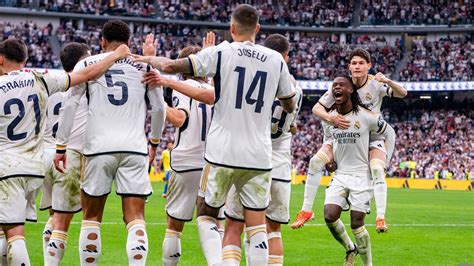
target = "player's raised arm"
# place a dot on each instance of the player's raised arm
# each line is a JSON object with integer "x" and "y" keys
{"x": 166, "y": 65}
{"x": 398, "y": 90}
{"x": 158, "y": 115}
{"x": 320, "y": 110}
{"x": 153, "y": 78}
{"x": 94, "y": 71}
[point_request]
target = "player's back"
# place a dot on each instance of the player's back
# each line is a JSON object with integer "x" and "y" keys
{"x": 281, "y": 135}
{"x": 248, "y": 77}
{"x": 22, "y": 119}
{"x": 53, "y": 108}
{"x": 190, "y": 139}
{"x": 117, "y": 108}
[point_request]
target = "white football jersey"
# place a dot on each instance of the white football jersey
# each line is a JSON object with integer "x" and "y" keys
{"x": 350, "y": 146}
{"x": 23, "y": 101}
{"x": 117, "y": 109}
{"x": 247, "y": 78}
{"x": 371, "y": 95}
{"x": 188, "y": 151}
{"x": 55, "y": 103}
{"x": 281, "y": 135}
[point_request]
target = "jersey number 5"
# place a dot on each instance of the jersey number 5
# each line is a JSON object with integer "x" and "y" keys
{"x": 111, "y": 84}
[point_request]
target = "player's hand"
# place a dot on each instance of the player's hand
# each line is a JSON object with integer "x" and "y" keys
{"x": 331, "y": 166}
{"x": 122, "y": 51}
{"x": 339, "y": 121}
{"x": 141, "y": 58}
{"x": 60, "y": 162}
{"x": 151, "y": 154}
{"x": 153, "y": 79}
{"x": 381, "y": 78}
{"x": 293, "y": 129}
{"x": 209, "y": 40}
{"x": 149, "y": 46}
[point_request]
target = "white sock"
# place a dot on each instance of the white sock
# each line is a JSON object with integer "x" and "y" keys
{"x": 338, "y": 230}
{"x": 47, "y": 231}
{"x": 16, "y": 251}
{"x": 380, "y": 186}
{"x": 246, "y": 244}
{"x": 89, "y": 243}
{"x": 315, "y": 172}
{"x": 221, "y": 233}
{"x": 210, "y": 239}
{"x": 56, "y": 247}
{"x": 363, "y": 245}
{"x": 137, "y": 243}
{"x": 258, "y": 247}
{"x": 3, "y": 248}
{"x": 275, "y": 260}
{"x": 171, "y": 248}
{"x": 231, "y": 255}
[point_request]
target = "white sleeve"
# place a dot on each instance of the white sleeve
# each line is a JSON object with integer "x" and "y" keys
{"x": 327, "y": 100}
{"x": 385, "y": 90}
{"x": 204, "y": 63}
{"x": 376, "y": 123}
{"x": 286, "y": 89}
{"x": 158, "y": 114}
{"x": 57, "y": 82}
{"x": 389, "y": 136}
{"x": 66, "y": 118}
{"x": 181, "y": 102}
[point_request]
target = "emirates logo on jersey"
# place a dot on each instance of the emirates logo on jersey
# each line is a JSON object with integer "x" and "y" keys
{"x": 357, "y": 125}
{"x": 368, "y": 96}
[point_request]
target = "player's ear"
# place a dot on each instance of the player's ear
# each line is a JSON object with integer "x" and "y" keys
{"x": 2, "y": 59}
{"x": 257, "y": 28}
{"x": 104, "y": 43}
{"x": 369, "y": 65}
{"x": 232, "y": 28}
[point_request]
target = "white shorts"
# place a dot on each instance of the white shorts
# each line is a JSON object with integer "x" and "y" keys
{"x": 16, "y": 196}
{"x": 61, "y": 191}
{"x": 252, "y": 186}
{"x": 130, "y": 172}
{"x": 352, "y": 189}
{"x": 31, "y": 206}
{"x": 182, "y": 194}
{"x": 278, "y": 210}
{"x": 377, "y": 141}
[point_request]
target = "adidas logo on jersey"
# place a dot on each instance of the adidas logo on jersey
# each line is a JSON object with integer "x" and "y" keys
{"x": 177, "y": 255}
{"x": 214, "y": 228}
{"x": 262, "y": 245}
{"x": 142, "y": 248}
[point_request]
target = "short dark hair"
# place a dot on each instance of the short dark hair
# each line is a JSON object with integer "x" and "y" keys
{"x": 14, "y": 50}
{"x": 360, "y": 52}
{"x": 116, "y": 31}
{"x": 246, "y": 16}
{"x": 278, "y": 43}
{"x": 71, "y": 54}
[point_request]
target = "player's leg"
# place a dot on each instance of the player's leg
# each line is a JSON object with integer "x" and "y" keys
{"x": 316, "y": 168}
{"x": 234, "y": 226}
{"x": 47, "y": 230}
{"x": 66, "y": 202}
{"x": 377, "y": 169}
{"x": 254, "y": 190}
{"x": 275, "y": 243}
{"x": 212, "y": 196}
{"x": 3, "y": 248}
{"x": 221, "y": 222}
{"x": 17, "y": 254}
{"x": 180, "y": 205}
{"x": 46, "y": 196}
{"x": 165, "y": 189}
{"x": 362, "y": 236}
{"x": 335, "y": 200}
{"x": 132, "y": 184}
{"x": 95, "y": 187}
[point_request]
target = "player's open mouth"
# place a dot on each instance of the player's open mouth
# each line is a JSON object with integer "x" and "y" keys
{"x": 337, "y": 94}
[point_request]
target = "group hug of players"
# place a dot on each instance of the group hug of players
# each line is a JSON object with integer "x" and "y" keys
{"x": 73, "y": 134}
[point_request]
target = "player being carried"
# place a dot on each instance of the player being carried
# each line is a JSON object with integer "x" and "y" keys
{"x": 278, "y": 211}
{"x": 61, "y": 193}
{"x": 247, "y": 77}
{"x": 115, "y": 146}
{"x": 371, "y": 91}
{"x": 352, "y": 181}
{"x": 23, "y": 103}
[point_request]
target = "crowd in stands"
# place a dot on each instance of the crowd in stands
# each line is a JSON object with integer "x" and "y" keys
{"x": 40, "y": 53}
{"x": 448, "y": 59}
{"x": 405, "y": 12}
{"x": 317, "y": 13}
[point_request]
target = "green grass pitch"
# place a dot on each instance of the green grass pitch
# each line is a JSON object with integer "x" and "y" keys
{"x": 426, "y": 227}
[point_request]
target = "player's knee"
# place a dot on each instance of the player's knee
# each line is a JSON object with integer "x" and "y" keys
{"x": 273, "y": 227}
{"x": 330, "y": 216}
{"x": 203, "y": 209}
{"x": 318, "y": 161}
{"x": 377, "y": 167}
{"x": 357, "y": 221}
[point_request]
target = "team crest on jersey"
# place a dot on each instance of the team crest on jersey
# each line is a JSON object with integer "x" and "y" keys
{"x": 368, "y": 96}
{"x": 357, "y": 124}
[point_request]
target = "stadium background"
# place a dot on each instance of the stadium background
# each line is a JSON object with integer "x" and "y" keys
{"x": 427, "y": 44}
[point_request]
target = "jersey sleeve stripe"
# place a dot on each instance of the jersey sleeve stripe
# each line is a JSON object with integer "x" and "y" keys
{"x": 192, "y": 65}
{"x": 382, "y": 129}
{"x": 323, "y": 105}
{"x": 288, "y": 97}
{"x": 68, "y": 82}
{"x": 217, "y": 78}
